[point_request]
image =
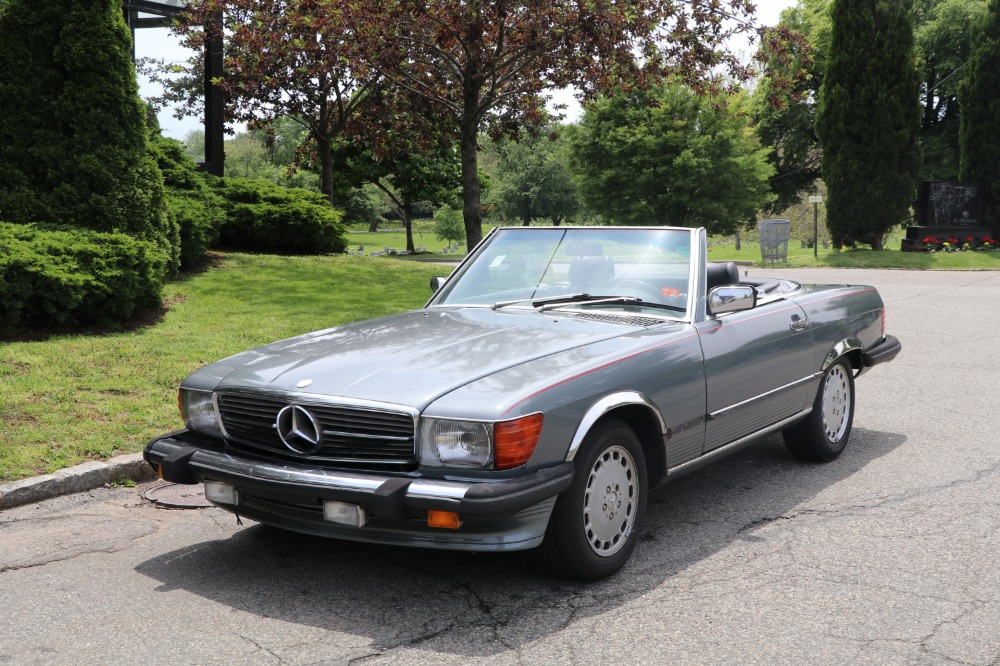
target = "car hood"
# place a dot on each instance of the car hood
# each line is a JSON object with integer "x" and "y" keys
{"x": 408, "y": 359}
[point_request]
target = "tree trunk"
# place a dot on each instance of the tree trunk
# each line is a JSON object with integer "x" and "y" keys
{"x": 407, "y": 212}
{"x": 929, "y": 115}
{"x": 471, "y": 211}
{"x": 373, "y": 225}
{"x": 324, "y": 146}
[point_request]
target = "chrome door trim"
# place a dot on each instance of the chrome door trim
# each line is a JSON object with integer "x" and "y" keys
{"x": 725, "y": 410}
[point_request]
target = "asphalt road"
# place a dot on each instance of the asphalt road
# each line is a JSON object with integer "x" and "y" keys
{"x": 887, "y": 555}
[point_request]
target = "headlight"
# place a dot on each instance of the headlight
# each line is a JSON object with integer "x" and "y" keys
{"x": 455, "y": 444}
{"x": 502, "y": 445}
{"x": 198, "y": 410}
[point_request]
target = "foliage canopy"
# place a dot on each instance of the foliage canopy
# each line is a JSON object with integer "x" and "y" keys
{"x": 980, "y": 130}
{"x": 670, "y": 157}
{"x": 533, "y": 180}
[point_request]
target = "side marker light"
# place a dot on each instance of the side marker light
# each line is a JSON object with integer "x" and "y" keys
{"x": 444, "y": 519}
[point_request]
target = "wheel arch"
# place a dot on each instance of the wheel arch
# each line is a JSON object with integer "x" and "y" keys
{"x": 851, "y": 348}
{"x": 639, "y": 413}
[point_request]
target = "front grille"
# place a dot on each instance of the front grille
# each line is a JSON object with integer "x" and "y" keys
{"x": 350, "y": 434}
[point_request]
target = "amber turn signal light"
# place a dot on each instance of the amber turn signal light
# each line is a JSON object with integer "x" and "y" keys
{"x": 515, "y": 440}
{"x": 444, "y": 519}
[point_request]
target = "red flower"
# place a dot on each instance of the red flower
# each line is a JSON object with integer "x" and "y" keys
{"x": 953, "y": 240}
{"x": 931, "y": 240}
{"x": 970, "y": 239}
{"x": 987, "y": 239}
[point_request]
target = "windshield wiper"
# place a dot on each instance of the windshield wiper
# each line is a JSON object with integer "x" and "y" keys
{"x": 565, "y": 298}
{"x": 554, "y": 302}
{"x": 603, "y": 300}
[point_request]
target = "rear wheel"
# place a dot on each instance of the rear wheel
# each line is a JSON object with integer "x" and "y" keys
{"x": 593, "y": 528}
{"x": 823, "y": 434}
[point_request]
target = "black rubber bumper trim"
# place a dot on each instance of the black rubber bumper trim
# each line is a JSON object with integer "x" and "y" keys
{"x": 176, "y": 469}
{"x": 508, "y": 497}
{"x": 482, "y": 501}
{"x": 884, "y": 351}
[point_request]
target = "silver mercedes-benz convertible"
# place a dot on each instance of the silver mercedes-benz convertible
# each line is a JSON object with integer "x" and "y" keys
{"x": 551, "y": 381}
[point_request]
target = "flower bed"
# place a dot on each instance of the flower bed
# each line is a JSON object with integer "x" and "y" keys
{"x": 952, "y": 244}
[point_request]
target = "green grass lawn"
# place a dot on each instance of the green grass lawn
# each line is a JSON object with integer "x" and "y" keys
{"x": 73, "y": 398}
{"x": 802, "y": 257}
{"x": 395, "y": 238}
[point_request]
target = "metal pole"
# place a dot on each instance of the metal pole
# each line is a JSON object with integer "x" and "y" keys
{"x": 214, "y": 121}
{"x": 815, "y": 230}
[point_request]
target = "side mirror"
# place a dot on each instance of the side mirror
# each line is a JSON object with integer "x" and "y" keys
{"x": 436, "y": 283}
{"x": 731, "y": 298}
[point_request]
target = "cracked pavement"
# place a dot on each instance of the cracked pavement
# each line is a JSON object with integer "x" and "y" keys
{"x": 888, "y": 555}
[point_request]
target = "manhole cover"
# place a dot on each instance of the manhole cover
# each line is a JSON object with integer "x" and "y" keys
{"x": 178, "y": 496}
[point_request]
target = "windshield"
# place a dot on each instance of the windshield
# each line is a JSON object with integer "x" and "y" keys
{"x": 577, "y": 267}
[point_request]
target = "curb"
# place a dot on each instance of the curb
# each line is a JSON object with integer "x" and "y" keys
{"x": 80, "y": 478}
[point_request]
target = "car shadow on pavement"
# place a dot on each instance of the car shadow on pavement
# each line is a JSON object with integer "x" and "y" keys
{"x": 484, "y": 604}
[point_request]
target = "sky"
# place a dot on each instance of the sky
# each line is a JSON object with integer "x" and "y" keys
{"x": 159, "y": 43}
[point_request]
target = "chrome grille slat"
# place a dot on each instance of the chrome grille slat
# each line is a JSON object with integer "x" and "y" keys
{"x": 350, "y": 434}
{"x": 357, "y": 435}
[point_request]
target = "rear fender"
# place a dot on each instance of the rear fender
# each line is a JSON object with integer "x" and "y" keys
{"x": 850, "y": 347}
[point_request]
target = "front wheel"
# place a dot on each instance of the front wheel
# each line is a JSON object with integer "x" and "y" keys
{"x": 593, "y": 528}
{"x": 823, "y": 434}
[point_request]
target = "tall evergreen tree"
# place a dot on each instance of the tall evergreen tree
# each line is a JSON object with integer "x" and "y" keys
{"x": 73, "y": 140}
{"x": 868, "y": 120}
{"x": 980, "y": 104}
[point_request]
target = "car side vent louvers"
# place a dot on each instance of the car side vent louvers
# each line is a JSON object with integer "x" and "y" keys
{"x": 352, "y": 435}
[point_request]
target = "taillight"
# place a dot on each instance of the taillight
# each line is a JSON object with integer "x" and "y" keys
{"x": 883, "y": 321}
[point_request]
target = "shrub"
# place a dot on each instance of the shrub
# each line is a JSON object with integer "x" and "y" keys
{"x": 51, "y": 276}
{"x": 73, "y": 144}
{"x": 265, "y": 217}
{"x": 196, "y": 208}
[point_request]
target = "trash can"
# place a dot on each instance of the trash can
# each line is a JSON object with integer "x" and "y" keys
{"x": 774, "y": 240}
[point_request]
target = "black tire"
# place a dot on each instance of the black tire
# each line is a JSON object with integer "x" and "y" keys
{"x": 594, "y": 525}
{"x": 823, "y": 435}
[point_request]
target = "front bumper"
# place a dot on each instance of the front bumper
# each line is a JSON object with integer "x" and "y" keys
{"x": 501, "y": 515}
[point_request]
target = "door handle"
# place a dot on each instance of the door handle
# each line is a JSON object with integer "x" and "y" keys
{"x": 798, "y": 323}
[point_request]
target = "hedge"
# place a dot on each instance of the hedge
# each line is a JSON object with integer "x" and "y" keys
{"x": 50, "y": 276}
{"x": 197, "y": 210}
{"x": 266, "y": 217}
